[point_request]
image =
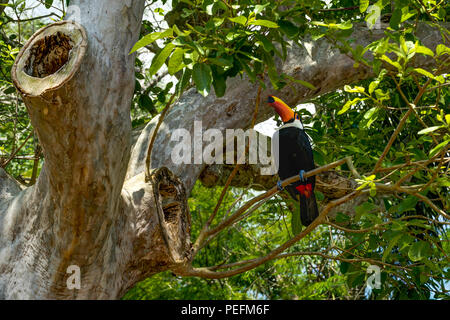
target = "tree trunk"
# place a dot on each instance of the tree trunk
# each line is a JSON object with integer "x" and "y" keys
{"x": 77, "y": 86}
{"x": 91, "y": 206}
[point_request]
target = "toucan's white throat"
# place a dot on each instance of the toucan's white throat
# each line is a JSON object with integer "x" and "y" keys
{"x": 296, "y": 123}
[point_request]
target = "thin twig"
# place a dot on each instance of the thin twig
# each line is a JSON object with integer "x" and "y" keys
{"x": 187, "y": 270}
{"x": 269, "y": 193}
{"x": 412, "y": 190}
{"x": 391, "y": 140}
{"x": 17, "y": 150}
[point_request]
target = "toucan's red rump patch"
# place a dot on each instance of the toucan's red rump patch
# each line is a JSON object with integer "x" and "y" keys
{"x": 305, "y": 190}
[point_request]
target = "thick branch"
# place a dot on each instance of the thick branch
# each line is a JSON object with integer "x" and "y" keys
{"x": 330, "y": 183}
{"x": 317, "y": 62}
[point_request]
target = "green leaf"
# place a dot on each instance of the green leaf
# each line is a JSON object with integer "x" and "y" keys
{"x": 159, "y": 60}
{"x": 424, "y": 50}
{"x": 202, "y": 76}
{"x": 369, "y": 114}
{"x": 439, "y": 79}
{"x": 364, "y": 208}
{"x": 373, "y": 85}
{"x": 48, "y": 3}
{"x": 177, "y": 30}
{"x": 184, "y": 81}
{"x": 217, "y": 22}
{"x": 442, "y": 49}
{"x": 10, "y": 90}
{"x": 419, "y": 250}
{"x": 356, "y": 89}
{"x": 407, "y": 204}
{"x": 150, "y": 38}
{"x": 341, "y": 217}
{"x": 438, "y": 148}
{"x": 176, "y": 61}
{"x": 147, "y": 104}
{"x": 394, "y": 63}
{"x": 267, "y": 45}
{"x": 274, "y": 77}
{"x": 395, "y": 18}
{"x": 219, "y": 84}
{"x": 189, "y": 2}
{"x": 290, "y": 29}
{"x": 345, "y": 26}
{"x": 209, "y": 9}
{"x": 353, "y": 149}
{"x": 405, "y": 241}
{"x": 443, "y": 182}
{"x": 319, "y": 195}
{"x": 406, "y": 14}
{"x": 199, "y": 48}
{"x": 221, "y": 62}
{"x": 259, "y": 8}
{"x": 264, "y": 23}
{"x": 358, "y": 52}
{"x": 428, "y": 130}
{"x": 381, "y": 95}
{"x": 347, "y": 105}
{"x": 442, "y": 13}
{"x": 249, "y": 56}
{"x": 239, "y": 19}
{"x": 302, "y": 82}
{"x": 306, "y": 84}
{"x": 391, "y": 245}
{"x": 424, "y": 72}
{"x": 406, "y": 48}
{"x": 343, "y": 267}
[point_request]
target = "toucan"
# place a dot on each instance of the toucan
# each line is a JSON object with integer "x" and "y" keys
{"x": 292, "y": 153}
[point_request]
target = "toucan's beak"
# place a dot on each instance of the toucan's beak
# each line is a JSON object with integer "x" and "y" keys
{"x": 281, "y": 108}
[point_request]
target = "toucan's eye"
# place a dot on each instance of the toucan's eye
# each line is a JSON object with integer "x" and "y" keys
{"x": 270, "y": 99}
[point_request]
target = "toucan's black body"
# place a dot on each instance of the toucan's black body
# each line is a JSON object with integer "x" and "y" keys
{"x": 295, "y": 154}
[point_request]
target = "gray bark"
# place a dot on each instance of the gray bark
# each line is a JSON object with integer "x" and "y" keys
{"x": 91, "y": 205}
{"x": 80, "y": 212}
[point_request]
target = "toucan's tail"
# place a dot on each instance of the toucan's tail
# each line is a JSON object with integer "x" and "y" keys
{"x": 308, "y": 209}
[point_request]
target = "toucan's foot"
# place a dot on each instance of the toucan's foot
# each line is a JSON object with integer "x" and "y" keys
{"x": 301, "y": 175}
{"x": 280, "y": 187}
